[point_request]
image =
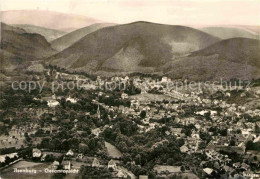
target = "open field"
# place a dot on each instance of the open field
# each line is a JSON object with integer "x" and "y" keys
{"x": 113, "y": 151}
{"x": 151, "y": 97}
{"x": 25, "y": 164}
{"x": 171, "y": 169}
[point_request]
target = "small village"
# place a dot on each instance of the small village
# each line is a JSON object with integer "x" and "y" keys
{"x": 132, "y": 126}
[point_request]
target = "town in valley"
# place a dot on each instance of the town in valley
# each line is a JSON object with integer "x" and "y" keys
{"x": 132, "y": 126}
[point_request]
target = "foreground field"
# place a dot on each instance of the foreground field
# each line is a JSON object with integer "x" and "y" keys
{"x": 9, "y": 173}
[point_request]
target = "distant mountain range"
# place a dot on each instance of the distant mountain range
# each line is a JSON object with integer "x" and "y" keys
{"x": 143, "y": 47}
{"x": 135, "y": 47}
{"x": 47, "y": 19}
{"x": 230, "y": 32}
{"x": 67, "y": 40}
{"x": 232, "y": 58}
{"x": 49, "y": 34}
{"x": 19, "y": 47}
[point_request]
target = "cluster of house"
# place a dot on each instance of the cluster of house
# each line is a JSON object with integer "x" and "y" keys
{"x": 161, "y": 110}
{"x": 218, "y": 120}
{"x": 155, "y": 111}
{"x": 69, "y": 163}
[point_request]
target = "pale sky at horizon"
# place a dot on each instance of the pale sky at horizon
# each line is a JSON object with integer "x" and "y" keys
{"x": 193, "y": 12}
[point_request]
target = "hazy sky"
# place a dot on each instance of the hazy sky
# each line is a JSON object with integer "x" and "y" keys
{"x": 208, "y": 12}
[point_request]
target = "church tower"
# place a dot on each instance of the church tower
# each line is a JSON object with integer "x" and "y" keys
{"x": 98, "y": 112}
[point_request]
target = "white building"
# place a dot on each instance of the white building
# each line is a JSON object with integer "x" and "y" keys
{"x": 124, "y": 96}
{"x": 95, "y": 163}
{"x": 72, "y": 100}
{"x": 70, "y": 153}
{"x": 164, "y": 79}
{"x": 111, "y": 164}
{"x": 36, "y": 153}
{"x": 52, "y": 103}
{"x": 184, "y": 149}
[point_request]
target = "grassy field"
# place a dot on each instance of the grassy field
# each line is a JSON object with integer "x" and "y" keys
{"x": 25, "y": 164}
{"x": 171, "y": 169}
{"x": 151, "y": 97}
{"x": 113, "y": 151}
